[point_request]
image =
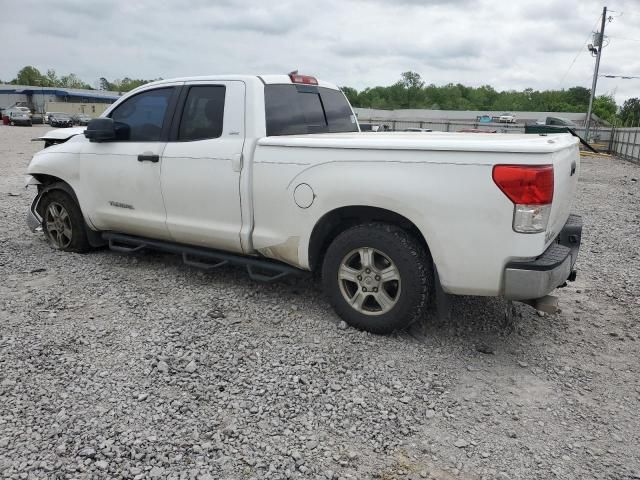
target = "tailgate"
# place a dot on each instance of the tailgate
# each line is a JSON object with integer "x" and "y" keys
{"x": 566, "y": 168}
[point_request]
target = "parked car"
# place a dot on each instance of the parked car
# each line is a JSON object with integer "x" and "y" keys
{"x": 20, "y": 109}
{"x": 272, "y": 173}
{"x": 418, "y": 130}
{"x": 369, "y": 127}
{"x": 17, "y": 109}
{"x": 81, "y": 119}
{"x": 556, "y": 121}
{"x": 19, "y": 117}
{"x": 60, "y": 120}
{"x": 507, "y": 118}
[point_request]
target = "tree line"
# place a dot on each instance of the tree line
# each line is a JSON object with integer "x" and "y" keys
{"x": 30, "y": 75}
{"x": 409, "y": 92}
{"x": 412, "y": 92}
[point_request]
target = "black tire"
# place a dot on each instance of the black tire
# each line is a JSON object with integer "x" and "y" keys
{"x": 406, "y": 254}
{"x": 77, "y": 238}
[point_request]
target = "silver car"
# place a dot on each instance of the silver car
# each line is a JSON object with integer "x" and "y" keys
{"x": 19, "y": 117}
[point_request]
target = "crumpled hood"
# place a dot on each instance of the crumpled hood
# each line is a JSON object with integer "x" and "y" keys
{"x": 62, "y": 133}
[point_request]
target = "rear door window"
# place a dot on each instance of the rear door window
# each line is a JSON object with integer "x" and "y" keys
{"x": 203, "y": 113}
{"x": 303, "y": 109}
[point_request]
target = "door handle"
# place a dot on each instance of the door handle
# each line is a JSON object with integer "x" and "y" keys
{"x": 148, "y": 157}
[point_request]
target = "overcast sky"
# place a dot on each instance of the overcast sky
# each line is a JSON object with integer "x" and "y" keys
{"x": 359, "y": 43}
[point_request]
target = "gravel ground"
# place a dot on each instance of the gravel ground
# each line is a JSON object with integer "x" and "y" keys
{"x": 139, "y": 367}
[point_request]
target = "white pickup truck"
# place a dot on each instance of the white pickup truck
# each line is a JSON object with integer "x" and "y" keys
{"x": 272, "y": 172}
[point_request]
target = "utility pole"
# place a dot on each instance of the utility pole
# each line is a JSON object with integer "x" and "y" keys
{"x": 599, "y": 43}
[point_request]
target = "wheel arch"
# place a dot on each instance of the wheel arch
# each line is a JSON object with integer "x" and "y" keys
{"x": 334, "y": 222}
{"x": 49, "y": 183}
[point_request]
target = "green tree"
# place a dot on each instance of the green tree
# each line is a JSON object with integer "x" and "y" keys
{"x": 51, "y": 79}
{"x": 579, "y": 96}
{"x": 29, "y": 76}
{"x": 604, "y": 106}
{"x": 630, "y": 112}
{"x": 72, "y": 81}
{"x": 104, "y": 84}
{"x": 124, "y": 85}
{"x": 351, "y": 94}
{"x": 412, "y": 83}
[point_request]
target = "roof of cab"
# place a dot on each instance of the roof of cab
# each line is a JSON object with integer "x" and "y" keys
{"x": 280, "y": 79}
{"x": 266, "y": 79}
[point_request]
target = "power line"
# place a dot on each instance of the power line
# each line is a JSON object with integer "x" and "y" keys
{"x": 580, "y": 50}
{"x": 624, "y": 77}
{"x": 624, "y": 38}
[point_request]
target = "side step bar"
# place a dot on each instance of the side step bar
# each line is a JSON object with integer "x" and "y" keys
{"x": 259, "y": 269}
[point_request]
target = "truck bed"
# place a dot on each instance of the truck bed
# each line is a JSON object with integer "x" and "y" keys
{"x": 462, "y": 142}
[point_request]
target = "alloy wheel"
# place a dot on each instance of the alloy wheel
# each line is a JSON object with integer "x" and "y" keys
{"x": 369, "y": 281}
{"x": 57, "y": 223}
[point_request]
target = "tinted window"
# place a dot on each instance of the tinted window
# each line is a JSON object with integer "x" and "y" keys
{"x": 203, "y": 113}
{"x": 301, "y": 109}
{"x": 140, "y": 118}
{"x": 337, "y": 110}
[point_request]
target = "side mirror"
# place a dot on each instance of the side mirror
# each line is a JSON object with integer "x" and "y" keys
{"x": 100, "y": 130}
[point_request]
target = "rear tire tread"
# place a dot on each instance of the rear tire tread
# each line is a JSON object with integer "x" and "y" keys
{"x": 406, "y": 251}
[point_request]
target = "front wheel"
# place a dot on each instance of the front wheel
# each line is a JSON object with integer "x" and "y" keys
{"x": 62, "y": 223}
{"x": 378, "y": 277}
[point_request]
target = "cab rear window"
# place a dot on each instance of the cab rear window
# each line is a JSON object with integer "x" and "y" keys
{"x": 302, "y": 109}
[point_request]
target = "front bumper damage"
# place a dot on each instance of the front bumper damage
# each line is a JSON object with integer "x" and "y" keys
{"x": 34, "y": 220}
{"x": 536, "y": 278}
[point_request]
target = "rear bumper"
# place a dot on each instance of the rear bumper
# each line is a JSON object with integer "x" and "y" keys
{"x": 536, "y": 278}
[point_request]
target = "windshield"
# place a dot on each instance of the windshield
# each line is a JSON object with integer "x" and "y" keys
{"x": 301, "y": 109}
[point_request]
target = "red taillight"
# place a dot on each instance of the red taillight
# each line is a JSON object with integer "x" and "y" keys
{"x": 525, "y": 184}
{"x": 305, "y": 79}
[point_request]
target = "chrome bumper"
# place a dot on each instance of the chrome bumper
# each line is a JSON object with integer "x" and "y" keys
{"x": 536, "y": 278}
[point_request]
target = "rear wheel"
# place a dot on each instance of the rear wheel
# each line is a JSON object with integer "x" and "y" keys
{"x": 62, "y": 223}
{"x": 378, "y": 277}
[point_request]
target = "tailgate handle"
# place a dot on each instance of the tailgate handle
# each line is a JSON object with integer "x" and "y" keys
{"x": 573, "y": 168}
